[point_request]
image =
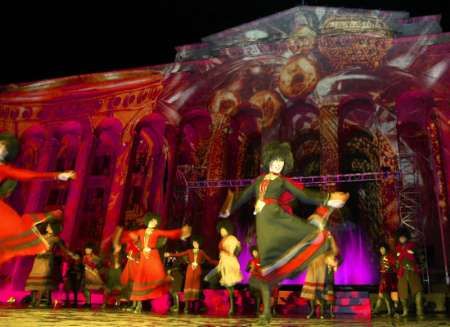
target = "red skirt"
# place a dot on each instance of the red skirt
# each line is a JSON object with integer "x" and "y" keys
{"x": 388, "y": 282}
{"x": 151, "y": 280}
{"x": 18, "y": 234}
{"x": 129, "y": 272}
{"x": 192, "y": 284}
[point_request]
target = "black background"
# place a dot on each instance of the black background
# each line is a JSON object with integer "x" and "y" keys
{"x": 65, "y": 38}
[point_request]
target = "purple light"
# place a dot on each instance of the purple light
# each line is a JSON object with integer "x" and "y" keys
{"x": 357, "y": 268}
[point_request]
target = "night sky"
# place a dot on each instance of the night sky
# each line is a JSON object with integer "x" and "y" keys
{"x": 72, "y": 37}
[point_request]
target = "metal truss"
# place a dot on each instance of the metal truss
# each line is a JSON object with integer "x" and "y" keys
{"x": 307, "y": 181}
{"x": 410, "y": 214}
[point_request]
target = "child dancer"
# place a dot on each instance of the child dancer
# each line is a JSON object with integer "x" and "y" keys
{"x": 92, "y": 278}
{"x": 319, "y": 280}
{"x": 388, "y": 281}
{"x": 408, "y": 273}
{"x": 228, "y": 268}
{"x": 42, "y": 276}
{"x": 113, "y": 285}
{"x": 73, "y": 280}
{"x": 254, "y": 267}
{"x": 195, "y": 258}
{"x": 176, "y": 282}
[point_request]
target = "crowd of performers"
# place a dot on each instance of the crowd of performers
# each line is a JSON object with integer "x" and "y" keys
{"x": 135, "y": 269}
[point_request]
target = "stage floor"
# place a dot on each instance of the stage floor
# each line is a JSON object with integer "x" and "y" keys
{"x": 98, "y": 318}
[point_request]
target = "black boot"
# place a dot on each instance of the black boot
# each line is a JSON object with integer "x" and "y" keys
{"x": 138, "y": 308}
{"x": 231, "y": 297}
{"x": 405, "y": 308}
{"x": 33, "y": 303}
{"x": 388, "y": 306}
{"x": 331, "y": 313}
{"x": 258, "y": 303}
{"x": 376, "y": 309}
{"x": 312, "y": 309}
{"x": 176, "y": 303}
{"x": 419, "y": 305}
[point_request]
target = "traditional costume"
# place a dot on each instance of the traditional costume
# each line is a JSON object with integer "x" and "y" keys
{"x": 92, "y": 279}
{"x": 388, "y": 281}
{"x": 18, "y": 234}
{"x": 286, "y": 243}
{"x": 192, "y": 285}
{"x": 408, "y": 274}
{"x": 151, "y": 280}
{"x": 318, "y": 286}
{"x": 45, "y": 273}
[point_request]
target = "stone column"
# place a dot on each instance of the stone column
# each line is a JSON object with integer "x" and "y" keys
{"x": 76, "y": 187}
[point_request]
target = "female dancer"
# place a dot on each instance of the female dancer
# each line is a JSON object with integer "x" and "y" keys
{"x": 228, "y": 269}
{"x": 42, "y": 276}
{"x": 286, "y": 243}
{"x": 18, "y": 234}
{"x": 195, "y": 258}
{"x": 151, "y": 280}
{"x": 388, "y": 281}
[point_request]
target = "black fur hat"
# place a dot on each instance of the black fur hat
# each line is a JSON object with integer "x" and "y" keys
{"x": 277, "y": 150}
{"x": 227, "y": 224}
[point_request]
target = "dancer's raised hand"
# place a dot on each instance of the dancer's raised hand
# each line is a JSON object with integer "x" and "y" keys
{"x": 338, "y": 199}
{"x": 67, "y": 175}
{"x": 186, "y": 231}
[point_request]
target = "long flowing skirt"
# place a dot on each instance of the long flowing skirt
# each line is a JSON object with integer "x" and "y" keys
{"x": 286, "y": 243}
{"x": 18, "y": 234}
{"x": 151, "y": 280}
{"x": 41, "y": 277}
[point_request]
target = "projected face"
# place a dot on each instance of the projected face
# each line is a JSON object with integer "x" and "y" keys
{"x": 3, "y": 151}
{"x": 276, "y": 166}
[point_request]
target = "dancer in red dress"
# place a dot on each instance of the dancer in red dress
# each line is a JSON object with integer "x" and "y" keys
{"x": 151, "y": 280}
{"x": 18, "y": 234}
{"x": 195, "y": 258}
{"x": 388, "y": 281}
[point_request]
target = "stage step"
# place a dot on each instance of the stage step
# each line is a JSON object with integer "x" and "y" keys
{"x": 343, "y": 301}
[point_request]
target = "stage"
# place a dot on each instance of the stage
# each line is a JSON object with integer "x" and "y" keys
{"x": 65, "y": 317}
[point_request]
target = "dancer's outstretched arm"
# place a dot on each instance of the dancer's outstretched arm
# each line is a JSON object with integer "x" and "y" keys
{"x": 306, "y": 195}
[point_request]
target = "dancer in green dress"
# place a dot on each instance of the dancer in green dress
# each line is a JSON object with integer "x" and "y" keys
{"x": 286, "y": 242}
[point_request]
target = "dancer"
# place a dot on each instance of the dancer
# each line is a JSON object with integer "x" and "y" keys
{"x": 318, "y": 286}
{"x": 408, "y": 273}
{"x": 228, "y": 269}
{"x": 73, "y": 279}
{"x": 388, "y": 281}
{"x": 285, "y": 242}
{"x": 254, "y": 267}
{"x": 92, "y": 279}
{"x": 18, "y": 234}
{"x": 151, "y": 280}
{"x": 192, "y": 286}
{"x": 132, "y": 249}
{"x": 42, "y": 278}
{"x": 176, "y": 282}
{"x": 319, "y": 281}
{"x": 113, "y": 286}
